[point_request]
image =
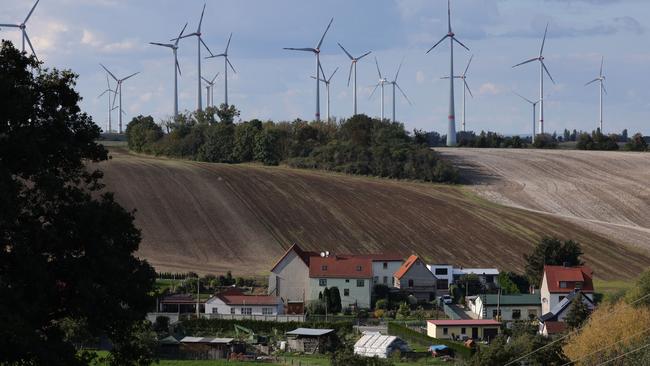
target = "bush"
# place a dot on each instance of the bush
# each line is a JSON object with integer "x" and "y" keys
{"x": 636, "y": 143}
{"x": 597, "y": 141}
{"x": 381, "y": 304}
{"x": 141, "y": 132}
{"x": 545, "y": 141}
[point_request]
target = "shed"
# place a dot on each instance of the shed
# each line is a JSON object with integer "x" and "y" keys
{"x": 376, "y": 344}
{"x": 206, "y": 348}
{"x": 310, "y": 340}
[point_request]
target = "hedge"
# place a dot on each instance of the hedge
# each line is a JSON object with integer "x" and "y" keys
{"x": 413, "y": 336}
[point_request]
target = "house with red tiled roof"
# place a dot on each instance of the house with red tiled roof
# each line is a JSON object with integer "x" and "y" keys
{"x": 383, "y": 267}
{"x": 559, "y": 281}
{"x": 289, "y": 278}
{"x": 415, "y": 278}
{"x": 237, "y": 303}
{"x": 351, "y": 274}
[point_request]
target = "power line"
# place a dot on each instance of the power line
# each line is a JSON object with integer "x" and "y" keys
{"x": 623, "y": 355}
{"x": 603, "y": 348}
{"x": 567, "y": 335}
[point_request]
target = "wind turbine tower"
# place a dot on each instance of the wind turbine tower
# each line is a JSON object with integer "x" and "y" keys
{"x": 23, "y": 29}
{"x": 327, "y": 88}
{"x": 353, "y": 67}
{"x": 466, "y": 89}
{"x": 210, "y": 90}
{"x": 381, "y": 83}
{"x": 534, "y": 104}
{"x": 226, "y": 63}
{"x": 177, "y": 68}
{"x": 200, "y": 42}
{"x": 316, "y": 51}
{"x": 451, "y": 129}
{"x": 110, "y": 107}
{"x": 542, "y": 69}
{"x": 601, "y": 80}
{"x": 119, "y": 91}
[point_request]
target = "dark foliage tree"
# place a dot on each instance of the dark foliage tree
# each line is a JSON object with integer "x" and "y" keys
{"x": 545, "y": 141}
{"x": 219, "y": 144}
{"x": 551, "y": 251}
{"x": 66, "y": 250}
{"x": 577, "y": 314}
{"x": 335, "y": 300}
{"x": 636, "y": 143}
{"x": 141, "y": 132}
{"x": 227, "y": 113}
{"x": 597, "y": 141}
{"x": 514, "y": 283}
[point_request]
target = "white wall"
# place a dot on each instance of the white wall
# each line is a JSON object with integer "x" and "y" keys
{"x": 360, "y": 295}
{"x": 217, "y": 306}
{"x": 290, "y": 278}
{"x": 380, "y": 273}
{"x": 449, "y": 276}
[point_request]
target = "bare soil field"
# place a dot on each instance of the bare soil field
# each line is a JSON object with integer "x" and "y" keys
{"x": 215, "y": 217}
{"x": 606, "y": 192}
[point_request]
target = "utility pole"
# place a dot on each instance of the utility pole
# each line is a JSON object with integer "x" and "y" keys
{"x": 198, "y": 294}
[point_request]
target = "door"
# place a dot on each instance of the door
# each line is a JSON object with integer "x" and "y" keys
{"x": 490, "y": 333}
{"x": 475, "y": 333}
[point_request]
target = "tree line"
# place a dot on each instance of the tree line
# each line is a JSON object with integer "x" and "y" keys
{"x": 358, "y": 145}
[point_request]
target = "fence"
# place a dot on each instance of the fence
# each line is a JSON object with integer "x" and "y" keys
{"x": 266, "y": 318}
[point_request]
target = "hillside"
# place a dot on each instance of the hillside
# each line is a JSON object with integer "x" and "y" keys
{"x": 605, "y": 192}
{"x": 214, "y": 217}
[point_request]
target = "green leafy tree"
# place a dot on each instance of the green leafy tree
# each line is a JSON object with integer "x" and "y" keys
{"x": 266, "y": 147}
{"x": 577, "y": 314}
{"x": 507, "y": 285}
{"x": 219, "y": 144}
{"x": 245, "y": 134}
{"x": 227, "y": 113}
{"x": 404, "y": 311}
{"x": 640, "y": 293}
{"x": 636, "y": 143}
{"x": 67, "y": 248}
{"x": 551, "y": 251}
{"x": 141, "y": 132}
{"x": 545, "y": 141}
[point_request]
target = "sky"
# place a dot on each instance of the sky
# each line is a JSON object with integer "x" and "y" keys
{"x": 272, "y": 83}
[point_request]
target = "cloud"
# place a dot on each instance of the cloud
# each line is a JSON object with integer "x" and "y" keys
{"x": 100, "y": 44}
{"x": 420, "y": 77}
{"x": 491, "y": 89}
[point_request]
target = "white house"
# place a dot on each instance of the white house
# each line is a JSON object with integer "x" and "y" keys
{"x": 415, "y": 278}
{"x": 445, "y": 275}
{"x": 289, "y": 278}
{"x": 559, "y": 281}
{"x": 236, "y": 303}
{"x": 553, "y": 321}
{"x": 352, "y": 275}
{"x": 509, "y": 307}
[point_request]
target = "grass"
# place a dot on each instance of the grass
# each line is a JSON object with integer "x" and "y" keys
{"x": 612, "y": 287}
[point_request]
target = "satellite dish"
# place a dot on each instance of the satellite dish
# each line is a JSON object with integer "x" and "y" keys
{"x": 327, "y": 253}
{"x": 322, "y": 254}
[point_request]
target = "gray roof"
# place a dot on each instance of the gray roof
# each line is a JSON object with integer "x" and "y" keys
{"x": 206, "y": 340}
{"x": 562, "y": 305}
{"x": 310, "y": 332}
{"x": 516, "y": 299}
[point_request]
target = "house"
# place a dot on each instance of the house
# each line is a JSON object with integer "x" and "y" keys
{"x": 311, "y": 340}
{"x": 180, "y": 304}
{"x": 559, "y": 281}
{"x": 416, "y": 279}
{"x": 444, "y": 274}
{"x": 289, "y": 278}
{"x": 511, "y": 307}
{"x": 352, "y": 275}
{"x": 373, "y": 344}
{"x": 235, "y": 302}
{"x": 447, "y": 274}
{"x": 463, "y": 328}
{"x": 552, "y": 322}
{"x": 383, "y": 267}
{"x": 202, "y": 348}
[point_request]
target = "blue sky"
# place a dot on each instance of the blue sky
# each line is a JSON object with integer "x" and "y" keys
{"x": 275, "y": 84}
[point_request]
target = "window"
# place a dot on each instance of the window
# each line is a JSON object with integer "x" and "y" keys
{"x": 359, "y": 268}
{"x": 232, "y": 311}
{"x": 246, "y": 311}
{"x": 215, "y": 311}
{"x": 562, "y": 298}
{"x": 442, "y": 284}
{"x": 361, "y": 283}
{"x": 578, "y": 285}
{"x": 385, "y": 280}
{"x": 376, "y": 279}
{"x": 347, "y": 281}
{"x": 346, "y": 292}
{"x": 323, "y": 267}
{"x": 562, "y": 284}
{"x": 441, "y": 271}
{"x": 410, "y": 282}
{"x": 385, "y": 265}
{"x": 322, "y": 282}
{"x": 445, "y": 331}
{"x": 267, "y": 311}
{"x": 516, "y": 314}
{"x": 462, "y": 330}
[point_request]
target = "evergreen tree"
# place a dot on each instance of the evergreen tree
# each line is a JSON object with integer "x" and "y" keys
{"x": 578, "y": 312}
{"x": 551, "y": 251}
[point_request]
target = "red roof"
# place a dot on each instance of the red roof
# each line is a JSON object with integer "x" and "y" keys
{"x": 248, "y": 299}
{"x": 179, "y": 299}
{"x": 554, "y": 327}
{"x": 464, "y": 322}
{"x": 571, "y": 275}
{"x": 406, "y": 266}
{"x": 302, "y": 254}
{"x": 340, "y": 267}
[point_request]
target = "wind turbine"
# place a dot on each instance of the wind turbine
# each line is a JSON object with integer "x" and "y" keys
{"x": 534, "y": 104}
{"x": 316, "y": 51}
{"x": 210, "y": 90}
{"x": 601, "y": 80}
{"x": 353, "y": 65}
{"x": 465, "y": 89}
{"x": 381, "y": 83}
{"x": 451, "y": 129}
{"x": 200, "y": 42}
{"x": 23, "y": 28}
{"x": 327, "y": 88}
{"x": 110, "y": 108}
{"x": 119, "y": 90}
{"x": 226, "y": 63}
{"x": 396, "y": 85}
{"x": 177, "y": 68}
{"x": 542, "y": 69}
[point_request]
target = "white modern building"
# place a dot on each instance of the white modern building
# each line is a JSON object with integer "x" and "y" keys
{"x": 447, "y": 274}
{"x": 235, "y": 303}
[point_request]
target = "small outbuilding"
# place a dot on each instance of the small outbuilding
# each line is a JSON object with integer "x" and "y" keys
{"x": 310, "y": 340}
{"x": 202, "y": 348}
{"x": 485, "y": 329}
{"x": 376, "y": 344}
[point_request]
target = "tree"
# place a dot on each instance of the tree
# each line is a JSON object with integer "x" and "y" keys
{"x": 67, "y": 248}
{"x": 219, "y": 144}
{"x": 507, "y": 285}
{"x": 545, "y": 141}
{"x": 227, "y": 113}
{"x": 335, "y": 300}
{"x": 578, "y": 312}
{"x": 639, "y": 295}
{"x": 142, "y": 131}
{"x": 404, "y": 311}
{"x": 636, "y": 143}
{"x": 551, "y": 251}
{"x": 266, "y": 148}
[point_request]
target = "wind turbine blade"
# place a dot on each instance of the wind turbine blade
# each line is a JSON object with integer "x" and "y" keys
{"x": 320, "y": 67}
{"x": 398, "y": 69}
{"x": 214, "y": 78}
{"x": 605, "y": 90}
{"x": 10, "y": 25}
{"x": 350, "y": 73}
{"x": 404, "y": 94}
{"x": 180, "y": 35}
{"x": 449, "y": 14}
{"x": 547, "y": 73}
{"x": 178, "y": 67}
{"x": 445, "y": 77}
{"x": 524, "y": 98}
{"x": 543, "y": 41}
{"x": 437, "y": 43}
{"x": 108, "y": 71}
{"x": 331, "y": 76}
{"x": 231, "y": 67}
{"x": 185, "y": 36}
{"x": 205, "y": 45}
{"x": 134, "y": 74}
{"x": 162, "y": 44}
{"x": 468, "y": 89}
{"x": 364, "y": 55}
{"x": 525, "y": 62}
{"x": 346, "y": 51}
{"x": 324, "y": 33}
{"x": 300, "y": 49}
{"x": 602, "y": 60}
{"x": 228, "y": 45}
{"x": 206, "y": 80}
{"x": 105, "y": 91}
{"x": 201, "y": 20}
{"x": 114, "y": 98}
{"x": 468, "y": 63}
{"x": 378, "y": 71}
{"x": 30, "y": 44}
{"x": 108, "y": 83}
{"x": 460, "y": 43}
{"x": 31, "y": 11}
{"x": 593, "y": 81}
{"x": 373, "y": 91}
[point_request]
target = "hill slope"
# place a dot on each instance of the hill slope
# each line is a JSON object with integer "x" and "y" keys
{"x": 215, "y": 217}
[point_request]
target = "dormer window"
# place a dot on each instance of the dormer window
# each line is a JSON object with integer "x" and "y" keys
{"x": 358, "y": 268}
{"x": 562, "y": 284}
{"x": 324, "y": 267}
{"x": 578, "y": 285}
